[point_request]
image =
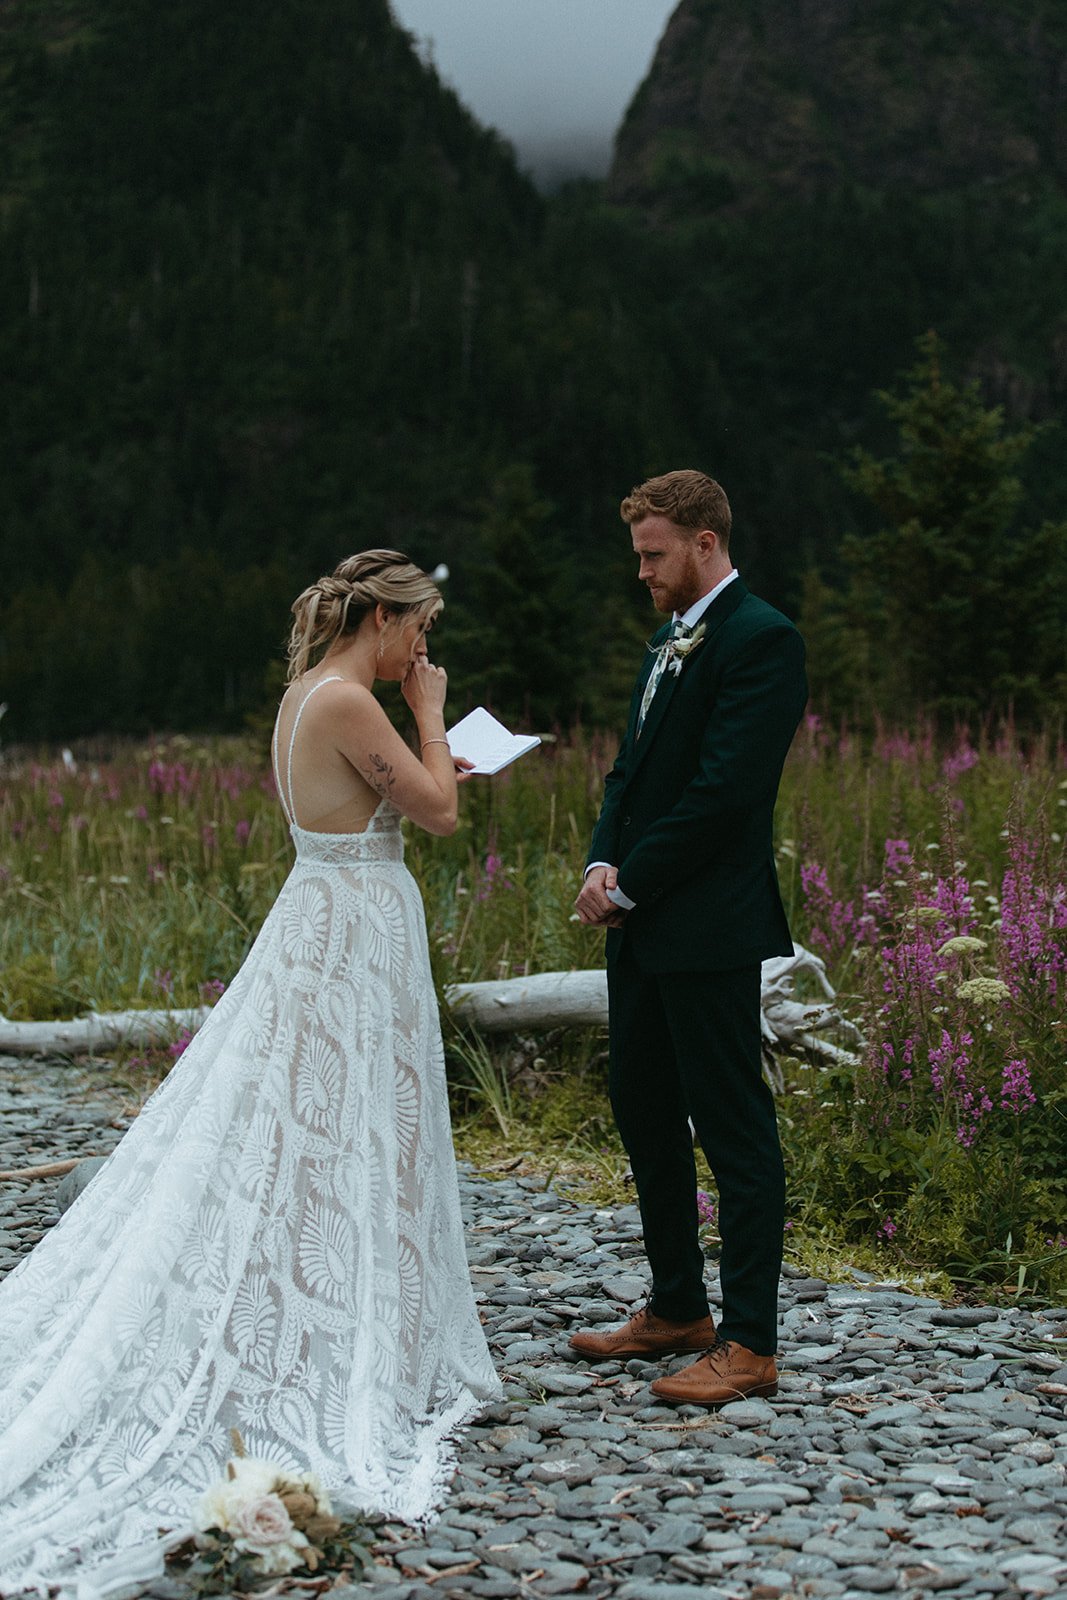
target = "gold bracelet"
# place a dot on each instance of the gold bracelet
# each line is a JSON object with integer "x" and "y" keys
{"x": 425, "y": 742}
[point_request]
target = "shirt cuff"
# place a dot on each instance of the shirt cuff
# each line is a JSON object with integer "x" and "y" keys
{"x": 593, "y": 864}
{"x": 621, "y": 900}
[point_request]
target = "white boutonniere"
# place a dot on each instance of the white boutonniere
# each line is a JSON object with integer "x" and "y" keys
{"x": 679, "y": 649}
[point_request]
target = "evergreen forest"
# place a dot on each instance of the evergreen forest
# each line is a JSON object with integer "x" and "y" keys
{"x": 269, "y": 294}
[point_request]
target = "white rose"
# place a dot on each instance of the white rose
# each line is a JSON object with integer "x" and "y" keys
{"x": 277, "y": 1557}
{"x": 246, "y": 1480}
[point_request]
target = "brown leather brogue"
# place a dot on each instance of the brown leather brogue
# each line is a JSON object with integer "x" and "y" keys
{"x": 645, "y": 1335}
{"x": 727, "y": 1372}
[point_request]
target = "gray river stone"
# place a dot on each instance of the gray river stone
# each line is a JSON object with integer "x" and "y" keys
{"x": 912, "y": 1446}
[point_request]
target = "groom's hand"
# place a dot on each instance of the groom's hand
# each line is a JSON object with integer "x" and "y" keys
{"x": 593, "y": 906}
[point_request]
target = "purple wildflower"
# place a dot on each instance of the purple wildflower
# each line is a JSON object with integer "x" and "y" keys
{"x": 961, "y": 760}
{"x": 1016, "y": 1091}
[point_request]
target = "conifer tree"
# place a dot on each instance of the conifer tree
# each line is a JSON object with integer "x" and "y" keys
{"x": 957, "y": 609}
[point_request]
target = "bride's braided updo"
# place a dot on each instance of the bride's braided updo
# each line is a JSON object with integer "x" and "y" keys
{"x": 336, "y": 605}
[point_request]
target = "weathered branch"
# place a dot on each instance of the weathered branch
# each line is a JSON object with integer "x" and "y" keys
{"x": 536, "y": 1003}
{"x": 49, "y": 1169}
{"x": 543, "y": 1000}
{"x": 98, "y": 1032}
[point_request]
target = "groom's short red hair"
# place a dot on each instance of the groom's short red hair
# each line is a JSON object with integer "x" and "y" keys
{"x": 689, "y": 499}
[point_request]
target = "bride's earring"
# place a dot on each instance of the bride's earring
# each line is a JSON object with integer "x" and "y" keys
{"x": 381, "y": 644}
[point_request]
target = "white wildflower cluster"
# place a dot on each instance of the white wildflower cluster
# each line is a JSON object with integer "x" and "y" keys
{"x": 984, "y": 991}
{"x": 962, "y": 944}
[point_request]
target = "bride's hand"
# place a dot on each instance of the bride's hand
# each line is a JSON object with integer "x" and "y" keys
{"x": 424, "y": 686}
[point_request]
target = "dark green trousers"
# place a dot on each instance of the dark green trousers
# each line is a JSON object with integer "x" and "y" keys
{"x": 687, "y": 1044}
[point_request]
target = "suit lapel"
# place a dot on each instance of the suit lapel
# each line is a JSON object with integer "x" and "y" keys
{"x": 713, "y": 618}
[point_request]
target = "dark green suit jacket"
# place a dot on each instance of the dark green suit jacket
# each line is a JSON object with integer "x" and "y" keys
{"x": 688, "y": 807}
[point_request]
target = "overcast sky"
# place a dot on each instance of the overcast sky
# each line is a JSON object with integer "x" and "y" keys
{"x": 554, "y": 76}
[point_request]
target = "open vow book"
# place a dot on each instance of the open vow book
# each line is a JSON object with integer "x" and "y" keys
{"x": 482, "y": 739}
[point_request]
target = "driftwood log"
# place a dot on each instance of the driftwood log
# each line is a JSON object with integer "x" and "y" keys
{"x": 540, "y": 1002}
{"x": 100, "y": 1031}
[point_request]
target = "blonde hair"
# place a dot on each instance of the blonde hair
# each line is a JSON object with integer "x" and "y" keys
{"x": 691, "y": 500}
{"x": 336, "y": 605}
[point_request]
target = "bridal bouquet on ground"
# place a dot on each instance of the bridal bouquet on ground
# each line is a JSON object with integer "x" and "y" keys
{"x": 260, "y": 1523}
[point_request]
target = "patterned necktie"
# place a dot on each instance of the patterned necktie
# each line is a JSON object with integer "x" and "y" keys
{"x": 658, "y": 669}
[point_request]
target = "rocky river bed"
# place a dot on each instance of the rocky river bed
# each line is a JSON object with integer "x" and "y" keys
{"x": 913, "y": 1446}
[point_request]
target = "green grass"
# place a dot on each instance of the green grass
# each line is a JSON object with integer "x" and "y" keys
{"x": 137, "y": 879}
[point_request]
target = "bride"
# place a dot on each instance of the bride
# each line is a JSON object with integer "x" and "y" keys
{"x": 276, "y": 1244}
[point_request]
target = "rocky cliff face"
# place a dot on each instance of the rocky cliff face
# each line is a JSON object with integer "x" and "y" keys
{"x": 749, "y": 98}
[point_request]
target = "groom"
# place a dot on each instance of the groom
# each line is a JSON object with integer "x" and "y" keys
{"x": 681, "y": 871}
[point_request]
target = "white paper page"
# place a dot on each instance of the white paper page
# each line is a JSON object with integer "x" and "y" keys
{"x": 480, "y": 738}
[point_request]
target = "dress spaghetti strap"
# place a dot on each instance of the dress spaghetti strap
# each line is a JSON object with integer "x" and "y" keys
{"x": 287, "y": 799}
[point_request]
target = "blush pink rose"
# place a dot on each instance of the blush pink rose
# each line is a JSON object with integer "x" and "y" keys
{"x": 263, "y": 1521}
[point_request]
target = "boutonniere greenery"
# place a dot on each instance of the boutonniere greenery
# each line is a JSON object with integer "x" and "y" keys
{"x": 681, "y": 648}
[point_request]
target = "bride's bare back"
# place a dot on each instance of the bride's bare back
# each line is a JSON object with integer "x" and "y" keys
{"x": 322, "y": 790}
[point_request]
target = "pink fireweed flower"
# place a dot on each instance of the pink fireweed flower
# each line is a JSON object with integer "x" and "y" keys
{"x": 705, "y": 1209}
{"x": 180, "y": 1044}
{"x": 232, "y": 780}
{"x": 163, "y": 978}
{"x": 140, "y": 813}
{"x": 212, "y": 990}
{"x": 492, "y": 876}
{"x": 1033, "y": 917}
{"x": 974, "y": 1104}
{"x": 887, "y": 1229}
{"x": 953, "y": 898}
{"x": 912, "y": 964}
{"x": 208, "y": 836}
{"x": 172, "y": 778}
{"x": 1016, "y": 1091}
{"x": 949, "y": 1061}
{"x": 241, "y": 830}
{"x": 961, "y": 760}
{"x": 897, "y": 857}
{"x": 833, "y": 922}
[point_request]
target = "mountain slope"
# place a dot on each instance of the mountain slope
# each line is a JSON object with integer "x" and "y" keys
{"x": 776, "y": 97}
{"x": 268, "y": 293}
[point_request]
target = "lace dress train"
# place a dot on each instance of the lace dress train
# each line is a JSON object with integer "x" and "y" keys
{"x": 275, "y": 1246}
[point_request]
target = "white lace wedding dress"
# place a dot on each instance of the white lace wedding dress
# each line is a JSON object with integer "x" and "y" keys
{"x": 275, "y": 1246}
